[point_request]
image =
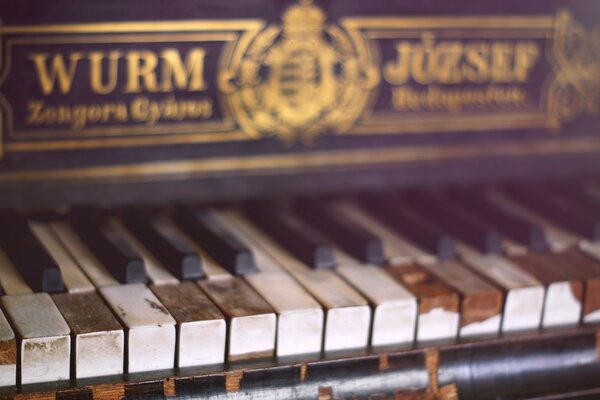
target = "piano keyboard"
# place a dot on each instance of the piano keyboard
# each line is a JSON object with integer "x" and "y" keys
{"x": 106, "y": 292}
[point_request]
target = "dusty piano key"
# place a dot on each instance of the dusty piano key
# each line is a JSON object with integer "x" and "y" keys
{"x": 44, "y": 340}
{"x": 347, "y": 314}
{"x": 522, "y": 231}
{"x": 348, "y": 235}
{"x": 562, "y": 304}
{"x": 150, "y": 335}
{"x": 223, "y": 247}
{"x": 73, "y": 277}
{"x": 98, "y": 339}
{"x": 201, "y": 328}
{"x": 26, "y": 253}
{"x": 396, "y": 250}
{"x": 550, "y": 207}
{"x": 432, "y": 207}
{"x": 171, "y": 250}
{"x": 439, "y": 315}
{"x": 85, "y": 259}
{"x": 251, "y": 321}
{"x": 524, "y": 294}
{"x": 8, "y": 353}
{"x": 297, "y": 238}
{"x": 299, "y": 316}
{"x": 108, "y": 245}
{"x": 394, "y": 214}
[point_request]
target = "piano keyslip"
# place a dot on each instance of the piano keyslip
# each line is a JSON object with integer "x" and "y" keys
{"x": 299, "y": 316}
{"x": 150, "y": 328}
{"x": 347, "y": 314}
{"x": 44, "y": 337}
{"x": 251, "y": 321}
{"x": 98, "y": 338}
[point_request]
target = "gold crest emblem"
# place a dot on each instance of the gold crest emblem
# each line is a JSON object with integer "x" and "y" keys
{"x": 299, "y": 79}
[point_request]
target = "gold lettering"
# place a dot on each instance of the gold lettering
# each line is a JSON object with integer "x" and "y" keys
{"x": 502, "y": 55}
{"x": 58, "y": 71}
{"x": 141, "y": 66}
{"x": 397, "y": 73}
{"x": 96, "y": 58}
{"x": 526, "y": 55}
{"x": 189, "y": 76}
{"x": 424, "y": 60}
{"x": 476, "y": 68}
{"x": 449, "y": 54}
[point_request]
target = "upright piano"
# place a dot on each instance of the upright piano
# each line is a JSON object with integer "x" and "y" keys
{"x": 311, "y": 199}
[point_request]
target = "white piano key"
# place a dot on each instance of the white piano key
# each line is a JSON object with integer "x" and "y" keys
{"x": 394, "y": 307}
{"x": 201, "y": 326}
{"x": 397, "y": 250}
{"x": 252, "y": 322}
{"x": 524, "y": 300}
{"x": 348, "y": 316}
{"x": 156, "y": 272}
{"x": 86, "y": 260}
{"x": 10, "y": 279}
{"x": 99, "y": 340}
{"x": 44, "y": 337}
{"x": 150, "y": 327}
{"x": 8, "y": 353}
{"x": 74, "y": 279}
{"x": 300, "y": 317}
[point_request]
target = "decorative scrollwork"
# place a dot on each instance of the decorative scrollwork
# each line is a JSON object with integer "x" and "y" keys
{"x": 575, "y": 88}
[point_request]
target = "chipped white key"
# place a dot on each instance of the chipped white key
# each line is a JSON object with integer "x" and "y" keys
{"x": 348, "y": 315}
{"x": 150, "y": 327}
{"x": 524, "y": 301}
{"x": 394, "y": 307}
{"x": 44, "y": 340}
{"x": 74, "y": 279}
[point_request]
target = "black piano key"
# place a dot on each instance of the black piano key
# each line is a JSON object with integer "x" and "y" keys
{"x": 575, "y": 196}
{"x": 473, "y": 201}
{"x": 392, "y": 212}
{"x": 34, "y": 263}
{"x": 440, "y": 213}
{"x": 349, "y": 236}
{"x": 542, "y": 201}
{"x": 109, "y": 246}
{"x": 169, "y": 248}
{"x": 216, "y": 239}
{"x": 299, "y": 239}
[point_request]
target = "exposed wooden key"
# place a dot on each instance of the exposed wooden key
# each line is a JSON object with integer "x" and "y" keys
{"x": 98, "y": 339}
{"x": 201, "y": 326}
{"x": 109, "y": 246}
{"x": 44, "y": 340}
{"x": 170, "y": 249}
{"x": 26, "y": 253}
{"x": 439, "y": 304}
{"x": 8, "y": 353}
{"x": 150, "y": 338}
{"x": 222, "y": 245}
{"x": 251, "y": 321}
{"x": 299, "y": 316}
{"x": 296, "y": 237}
{"x": 395, "y": 215}
{"x": 348, "y": 235}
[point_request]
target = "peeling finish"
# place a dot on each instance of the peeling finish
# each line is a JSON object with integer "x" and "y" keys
{"x": 233, "y": 381}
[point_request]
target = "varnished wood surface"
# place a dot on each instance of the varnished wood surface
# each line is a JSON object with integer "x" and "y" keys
{"x": 186, "y": 302}
{"x": 235, "y": 297}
